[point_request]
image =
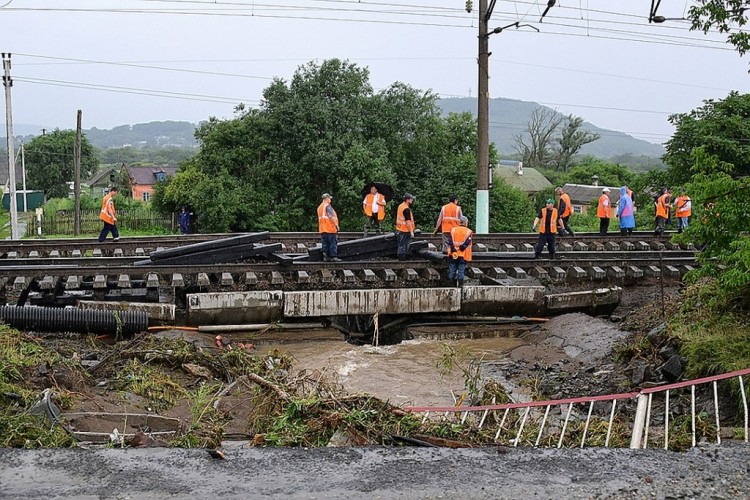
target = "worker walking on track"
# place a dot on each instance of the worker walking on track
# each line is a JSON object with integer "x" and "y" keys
{"x": 328, "y": 227}
{"x": 603, "y": 211}
{"x": 459, "y": 251}
{"x": 109, "y": 216}
{"x": 450, "y": 217}
{"x": 565, "y": 209}
{"x": 404, "y": 226}
{"x": 548, "y": 222}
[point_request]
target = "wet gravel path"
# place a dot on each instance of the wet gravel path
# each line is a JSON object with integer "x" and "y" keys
{"x": 706, "y": 472}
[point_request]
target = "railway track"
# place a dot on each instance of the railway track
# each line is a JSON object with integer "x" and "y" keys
{"x": 503, "y": 277}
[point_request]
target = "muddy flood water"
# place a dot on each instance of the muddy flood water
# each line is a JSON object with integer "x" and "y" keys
{"x": 405, "y": 373}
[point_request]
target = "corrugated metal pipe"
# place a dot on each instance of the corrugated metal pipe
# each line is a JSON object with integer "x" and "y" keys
{"x": 53, "y": 319}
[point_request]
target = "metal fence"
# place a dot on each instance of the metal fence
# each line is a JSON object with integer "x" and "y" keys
{"x": 691, "y": 410}
{"x": 62, "y": 222}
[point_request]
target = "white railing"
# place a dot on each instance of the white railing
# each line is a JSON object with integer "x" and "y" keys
{"x": 529, "y": 414}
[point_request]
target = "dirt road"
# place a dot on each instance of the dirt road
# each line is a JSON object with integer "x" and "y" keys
{"x": 385, "y": 473}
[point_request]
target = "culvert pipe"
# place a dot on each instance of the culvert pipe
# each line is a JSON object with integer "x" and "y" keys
{"x": 53, "y": 319}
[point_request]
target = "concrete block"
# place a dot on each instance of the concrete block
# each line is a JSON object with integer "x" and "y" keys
{"x": 507, "y": 247}
{"x": 588, "y": 299}
{"x": 627, "y": 246}
{"x": 479, "y": 247}
{"x": 564, "y": 246}
{"x": 48, "y": 283}
{"x": 96, "y": 252}
{"x": 34, "y": 254}
{"x": 225, "y": 308}
{"x": 496, "y": 300}
{"x": 671, "y": 271}
{"x": 431, "y": 247}
{"x": 409, "y": 274}
{"x": 157, "y": 312}
{"x": 557, "y": 273}
{"x": 430, "y": 274}
{"x": 100, "y": 281}
{"x": 12, "y": 254}
{"x": 20, "y": 283}
{"x": 117, "y": 253}
{"x": 580, "y": 246}
{"x": 303, "y": 277}
{"x": 369, "y": 276}
{"x": 249, "y": 278}
{"x": 56, "y": 253}
{"x": 539, "y": 272}
{"x": 72, "y": 283}
{"x": 498, "y": 273}
{"x": 474, "y": 272}
{"x": 226, "y": 279}
{"x": 347, "y": 276}
{"x": 642, "y": 245}
{"x": 576, "y": 272}
{"x": 596, "y": 246}
{"x": 152, "y": 280}
{"x": 596, "y": 273}
{"x": 657, "y": 245}
{"x": 612, "y": 246}
{"x": 672, "y": 245}
{"x": 76, "y": 254}
{"x": 634, "y": 272}
{"x": 277, "y": 278}
{"x": 615, "y": 272}
{"x": 369, "y": 301}
{"x": 203, "y": 279}
{"x": 123, "y": 281}
{"x": 526, "y": 247}
{"x": 388, "y": 275}
{"x": 653, "y": 271}
{"x": 301, "y": 248}
{"x": 139, "y": 252}
{"x": 177, "y": 280}
{"x": 517, "y": 272}
{"x": 689, "y": 246}
{"x": 326, "y": 276}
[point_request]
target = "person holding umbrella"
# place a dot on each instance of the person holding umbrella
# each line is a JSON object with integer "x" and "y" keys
{"x": 374, "y": 208}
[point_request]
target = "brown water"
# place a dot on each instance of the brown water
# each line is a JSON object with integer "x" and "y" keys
{"x": 405, "y": 373}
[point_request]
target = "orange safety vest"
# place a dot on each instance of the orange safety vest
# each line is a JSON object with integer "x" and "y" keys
{"x": 403, "y": 225}
{"x": 327, "y": 224}
{"x": 602, "y": 211}
{"x": 553, "y": 220}
{"x": 459, "y": 235}
{"x": 662, "y": 210}
{"x": 682, "y": 210}
{"x": 451, "y": 218}
{"x": 568, "y": 206}
{"x": 107, "y": 213}
{"x": 367, "y": 205}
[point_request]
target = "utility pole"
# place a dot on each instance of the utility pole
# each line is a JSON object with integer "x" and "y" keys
{"x": 8, "y": 83}
{"x": 23, "y": 177}
{"x": 77, "y": 178}
{"x": 483, "y": 122}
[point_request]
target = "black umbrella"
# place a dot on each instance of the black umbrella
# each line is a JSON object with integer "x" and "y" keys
{"x": 383, "y": 188}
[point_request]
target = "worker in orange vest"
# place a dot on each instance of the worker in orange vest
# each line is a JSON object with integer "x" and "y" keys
{"x": 450, "y": 217}
{"x": 565, "y": 209}
{"x": 548, "y": 221}
{"x": 109, "y": 216}
{"x": 328, "y": 227}
{"x": 603, "y": 211}
{"x": 683, "y": 210}
{"x": 404, "y": 226}
{"x": 663, "y": 205}
{"x": 374, "y": 208}
{"x": 459, "y": 251}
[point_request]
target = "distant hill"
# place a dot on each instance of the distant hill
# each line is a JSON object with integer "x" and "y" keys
{"x": 509, "y": 117}
{"x": 145, "y": 135}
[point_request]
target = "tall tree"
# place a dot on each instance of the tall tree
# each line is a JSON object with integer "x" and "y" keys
{"x": 724, "y": 16}
{"x": 324, "y": 131}
{"x": 572, "y": 138}
{"x": 536, "y": 142}
{"x": 49, "y": 162}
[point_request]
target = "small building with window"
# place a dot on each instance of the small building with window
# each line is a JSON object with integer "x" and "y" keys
{"x": 143, "y": 179}
{"x": 529, "y": 180}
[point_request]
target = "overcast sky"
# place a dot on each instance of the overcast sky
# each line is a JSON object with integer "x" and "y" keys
{"x": 126, "y": 62}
